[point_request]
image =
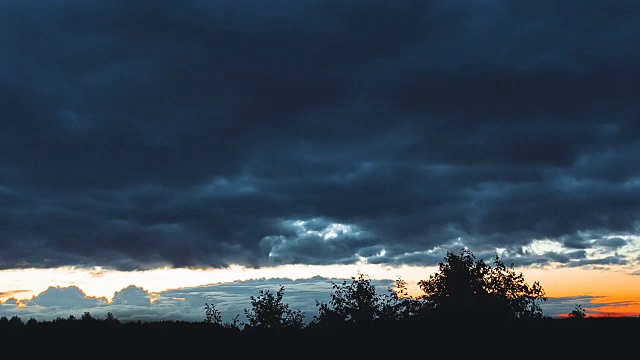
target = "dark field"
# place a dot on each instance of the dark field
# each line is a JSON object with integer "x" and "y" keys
{"x": 567, "y": 338}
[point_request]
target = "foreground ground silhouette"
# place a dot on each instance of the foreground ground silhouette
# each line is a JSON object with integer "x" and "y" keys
{"x": 470, "y": 309}
{"x": 454, "y": 338}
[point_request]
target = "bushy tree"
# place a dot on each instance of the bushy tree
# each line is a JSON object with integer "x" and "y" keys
{"x": 509, "y": 288}
{"x": 356, "y": 301}
{"x": 465, "y": 287}
{"x": 269, "y": 312}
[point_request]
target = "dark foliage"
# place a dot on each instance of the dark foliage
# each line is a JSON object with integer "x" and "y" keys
{"x": 466, "y": 287}
{"x": 268, "y": 311}
{"x": 468, "y": 308}
{"x": 578, "y": 312}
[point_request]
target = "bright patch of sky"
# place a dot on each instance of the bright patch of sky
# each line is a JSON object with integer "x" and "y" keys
{"x": 541, "y": 247}
{"x": 97, "y": 282}
{"x": 330, "y": 231}
{"x": 625, "y": 247}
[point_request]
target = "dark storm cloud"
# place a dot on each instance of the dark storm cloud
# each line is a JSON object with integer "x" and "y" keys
{"x": 614, "y": 242}
{"x": 138, "y": 134}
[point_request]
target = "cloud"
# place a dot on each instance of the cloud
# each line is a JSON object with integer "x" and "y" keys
{"x": 231, "y": 299}
{"x": 55, "y": 302}
{"x": 132, "y": 295}
{"x": 138, "y": 135}
{"x": 186, "y": 304}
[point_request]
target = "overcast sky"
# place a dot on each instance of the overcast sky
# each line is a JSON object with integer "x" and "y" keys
{"x": 145, "y": 134}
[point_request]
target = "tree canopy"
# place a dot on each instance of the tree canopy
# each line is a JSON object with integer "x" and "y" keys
{"x": 464, "y": 287}
{"x": 356, "y": 301}
{"x": 268, "y": 311}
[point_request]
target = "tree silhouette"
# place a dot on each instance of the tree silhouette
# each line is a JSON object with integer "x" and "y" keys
{"x": 397, "y": 304}
{"x": 235, "y": 324}
{"x": 464, "y": 287}
{"x": 578, "y": 312}
{"x": 356, "y": 302}
{"x": 86, "y": 316}
{"x": 15, "y": 321}
{"x": 212, "y": 315}
{"x": 507, "y": 286}
{"x": 269, "y": 312}
{"x": 110, "y": 318}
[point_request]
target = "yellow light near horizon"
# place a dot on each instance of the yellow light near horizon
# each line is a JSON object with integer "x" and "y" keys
{"x": 612, "y": 286}
{"x": 564, "y": 282}
{"x": 27, "y": 283}
{"x": 618, "y": 288}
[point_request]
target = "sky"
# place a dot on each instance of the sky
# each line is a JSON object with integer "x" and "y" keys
{"x": 159, "y": 155}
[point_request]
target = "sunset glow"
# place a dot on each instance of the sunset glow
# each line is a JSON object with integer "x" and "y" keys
{"x": 612, "y": 293}
{"x": 156, "y": 156}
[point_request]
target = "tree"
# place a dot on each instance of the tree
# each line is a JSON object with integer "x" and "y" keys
{"x": 578, "y": 312}
{"x": 235, "y": 323}
{"x": 507, "y": 286}
{"x": 354, "y": 302}
{"x": 110, "y": 318}
{"x": 269, "y": 312}
{"x": 15, "y": 321}
{"x": 86, "y": 316}
{"x": 212, "y": 315}
{"x": 397, "y": 304}
{"x": 465, "y": 287}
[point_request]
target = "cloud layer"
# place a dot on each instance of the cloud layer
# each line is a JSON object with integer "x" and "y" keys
{"x": 142, "y": 134}
{"x": 231, "y": 299}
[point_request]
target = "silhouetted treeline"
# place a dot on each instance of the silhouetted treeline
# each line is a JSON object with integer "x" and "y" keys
{"x": 453, "y": 337}
{"x": 467, "y": 303}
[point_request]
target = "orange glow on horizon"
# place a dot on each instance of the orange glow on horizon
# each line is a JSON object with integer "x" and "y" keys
{"x": 619, "y": 307}
{"x": 565, "y": 282}
{"x": 616, "y": 290}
